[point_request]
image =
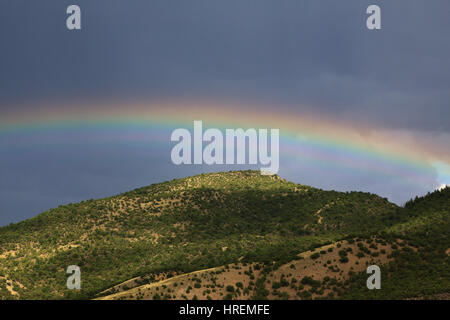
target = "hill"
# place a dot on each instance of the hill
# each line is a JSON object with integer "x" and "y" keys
{"x": 252, "y": 232}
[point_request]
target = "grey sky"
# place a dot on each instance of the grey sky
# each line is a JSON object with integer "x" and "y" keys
{"x": 316, "y": 54}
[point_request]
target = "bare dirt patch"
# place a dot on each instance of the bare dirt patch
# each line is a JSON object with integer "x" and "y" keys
{"x": 238, "y": 281}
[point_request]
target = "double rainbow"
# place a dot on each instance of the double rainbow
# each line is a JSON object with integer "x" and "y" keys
{"x": 329, "y": 142}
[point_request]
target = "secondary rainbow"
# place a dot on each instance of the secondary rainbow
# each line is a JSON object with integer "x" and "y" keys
{"x": 336, "y": 143}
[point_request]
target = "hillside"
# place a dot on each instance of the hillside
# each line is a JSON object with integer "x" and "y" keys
{"x": 253, "y": 231}
{"x": 318, "y": 273}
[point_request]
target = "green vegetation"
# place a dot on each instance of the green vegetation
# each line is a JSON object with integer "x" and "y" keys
{"x": 218, "y": 219}
{"x": 421, "y": 269}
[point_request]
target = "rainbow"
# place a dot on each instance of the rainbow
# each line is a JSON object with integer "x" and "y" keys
{"x": 336, "y": 144}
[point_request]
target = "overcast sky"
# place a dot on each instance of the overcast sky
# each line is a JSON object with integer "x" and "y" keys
{"x": 312, "y": 54}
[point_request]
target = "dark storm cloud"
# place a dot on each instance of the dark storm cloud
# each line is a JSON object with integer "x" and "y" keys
{"x": 291, "y": 52}
{"x": 315, "y": 55}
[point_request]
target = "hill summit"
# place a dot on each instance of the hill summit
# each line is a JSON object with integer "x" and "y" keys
{"x": 277, "y": 239}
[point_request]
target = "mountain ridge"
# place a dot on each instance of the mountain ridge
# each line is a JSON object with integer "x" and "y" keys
{"x": 183, "y": 225}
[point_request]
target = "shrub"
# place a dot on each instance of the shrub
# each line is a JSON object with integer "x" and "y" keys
{"x": 315, "y": 255}
{"x": 229, "y": 296}
{"x": 156, "y": 296}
